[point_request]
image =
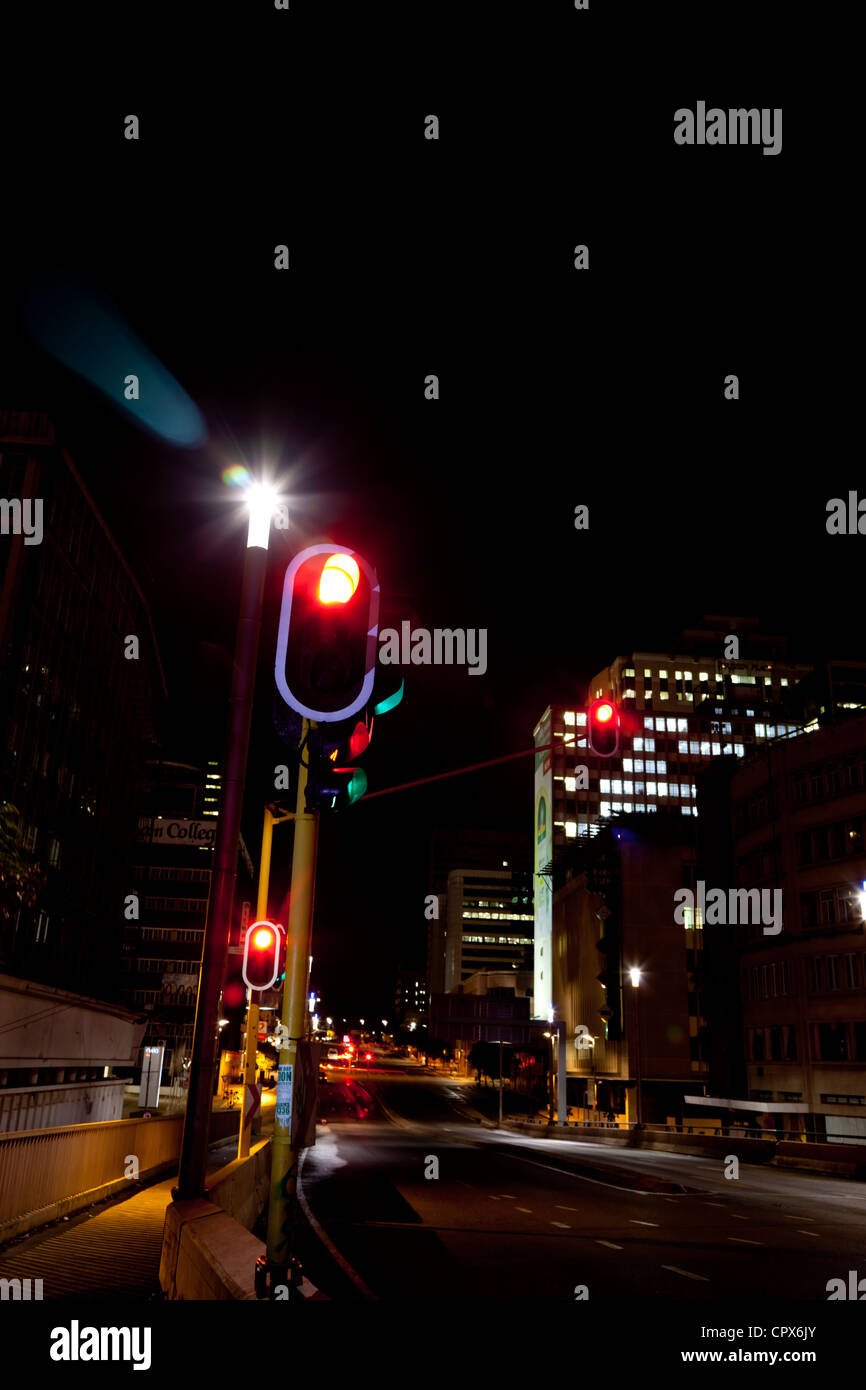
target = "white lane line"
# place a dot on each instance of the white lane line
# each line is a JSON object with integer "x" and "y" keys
{"x": 492, "y": 1198}
{"x": 788, "y": 1217}
{"x": 562, "y": 1224}
{"x": 508, "y": 1195}
{"x": 528, "y": 1210}
{"x": 557, "y": 1207}
{"x": 609, "y": 1243}
{"x": 686, "y": 1273}
{"x": 566, "y": 1173}
{"x": 713, "y": 1204}
{"x": 734, "y": 1217}
{"x": 738, "y": 1241}
{"x": 809, "y": 1233}
{"x": 643, "y": 1223}
{"x": 329, "y": 1245}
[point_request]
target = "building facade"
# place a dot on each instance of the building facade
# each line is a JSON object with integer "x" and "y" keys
{"x": 80, "y": 678}
{"x": 798, "y": 813}
{"x": 488, "y": 923}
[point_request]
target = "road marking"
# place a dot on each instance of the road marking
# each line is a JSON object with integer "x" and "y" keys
{"x": 609, "y": 1243}
{"x": 464, "y": 1184}
{"x": 686, "y": 1273}
{"x": 734, "y": 1217}
{"x": 492, "y": 1198}
{"x": 643, "y": 1223}
{"x": 563, "y": 1224}
{"x": 528, "y": 1210}
{"x": 509, "y": 1196}
{"x": 329, "y": 1245}
{"x": 566, "y": 1173}
{"x": 809, "y": 1233}
{"x": 738, "y": 1241}
{"x": 557, "y": 1207}
{"x": 714, "y": 1204}
{"x": 788, "y": 1217}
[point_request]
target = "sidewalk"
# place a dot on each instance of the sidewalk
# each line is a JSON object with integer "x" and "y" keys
{"x": 114, "y": 1254}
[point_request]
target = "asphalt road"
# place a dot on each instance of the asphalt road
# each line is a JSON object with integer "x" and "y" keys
{"x": 423, "y": 1203}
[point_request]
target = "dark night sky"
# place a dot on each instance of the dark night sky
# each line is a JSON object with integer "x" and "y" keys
{"x": 558, "y": 388}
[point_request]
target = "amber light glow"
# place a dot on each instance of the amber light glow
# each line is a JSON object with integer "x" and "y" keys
{"x": 604, "y": 713}
{"x": 339, "y": 579}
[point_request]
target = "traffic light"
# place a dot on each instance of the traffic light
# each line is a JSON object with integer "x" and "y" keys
{"x": 602, "y": 722}
{"x": 328, "y": 634}
{"x": 331, "y": 785}
{"x": 263, "y": 944}
{"x": 610, "y": 977}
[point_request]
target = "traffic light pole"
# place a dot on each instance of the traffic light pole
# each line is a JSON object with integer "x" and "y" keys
{"x": 271, "y": 819}
{"x": 193, "y": 1158}
{"x": 279, "y": 1267}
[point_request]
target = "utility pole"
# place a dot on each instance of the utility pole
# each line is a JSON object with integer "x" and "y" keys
{"x": 193, "y": 1158}
{"x": 279, "y": 1266}
{"x": 500, "y": 1083}
{"x": 249, "y": 1070}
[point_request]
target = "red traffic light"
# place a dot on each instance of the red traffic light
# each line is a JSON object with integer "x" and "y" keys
{"x": 603, "y": 727}
{"x": 328, "y": 634}
{"x": 262, "y": 947}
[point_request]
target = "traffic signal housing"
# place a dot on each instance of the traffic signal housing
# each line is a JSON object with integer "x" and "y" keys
{"x": 331, "y": 784}
{"x": 263, "y": 944}
{"x": 602, "y": 723}
{"x": 328, "y": 634}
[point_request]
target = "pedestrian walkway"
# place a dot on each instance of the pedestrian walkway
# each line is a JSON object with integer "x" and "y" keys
{"x": 113, "y": 1254}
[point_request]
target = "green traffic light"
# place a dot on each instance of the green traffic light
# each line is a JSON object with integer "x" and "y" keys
{"x": 357, "y": 785}
{"x": 390, "y": 701}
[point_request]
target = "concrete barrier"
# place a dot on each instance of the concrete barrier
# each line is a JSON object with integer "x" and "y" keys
{"x": 241, "y": 1188}
{"x": 206, "y": 1254}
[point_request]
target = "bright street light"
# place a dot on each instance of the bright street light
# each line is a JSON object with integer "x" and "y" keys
{"x": 634, "y": 976}
{"x": 261, "y": 500}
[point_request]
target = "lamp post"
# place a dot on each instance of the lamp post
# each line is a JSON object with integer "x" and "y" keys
{"x": 635, "y": 977}
{"x": 193, "y": 1158}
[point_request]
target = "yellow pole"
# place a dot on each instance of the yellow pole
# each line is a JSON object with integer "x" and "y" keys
{"x": 249, "y": 1070}
{"x": 285, "y": 1157}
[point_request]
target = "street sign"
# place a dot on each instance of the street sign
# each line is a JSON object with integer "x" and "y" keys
{"x": 252, "y": 1102}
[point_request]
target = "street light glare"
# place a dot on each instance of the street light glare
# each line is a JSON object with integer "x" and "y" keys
{"x": 261, "y": 500}
{"x": 634, "y": 976}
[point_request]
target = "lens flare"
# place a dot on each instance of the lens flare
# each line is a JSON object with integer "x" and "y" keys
{"x": 339, "y": 579}
{"x": 604, "y": 713}
{"x": 236, "y": 476}
{"x": 263, "y": 938}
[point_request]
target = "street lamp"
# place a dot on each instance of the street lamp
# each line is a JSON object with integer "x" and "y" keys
{"x": 260, "y": 501}
{"x": 635, "y": 977}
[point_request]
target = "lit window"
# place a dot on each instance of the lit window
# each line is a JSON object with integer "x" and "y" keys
{"x": 639, "y": 789}
{"x": 650, "y": 765}
{"x": 689, "y": 675}
{"x": 663, "y": 788}
{"x": 570, "y": 829}
{"x": 628, "y": 693}
{"x": 705, "y": 748}
{"x": 673, "y": 789}
{"x": 663, "y": 695}
{"x": 768, "y": 680}
{"x": 617, "y": 806}
{"x": 627, "y": 806}
{"x": 661, "y": 766}
{"x": 627, "y": 765}
{"x": 616, "y": 787}
{"x": 581, "y": 719}
{"x": 686, "y": 810}
{"x": 648, "y": 721}
{"x": 651, "y": 788}
{"x": 682, "y": 746}
{"x": 604, "y": 784}
{"x": 703, "y": 676}
{"x": 671, "y": 725}
{"x": 568, "y": 718}
{"x": 638, "y": 745}
{"x": 628, "y": 788}
{"x": 648, "y": 673}
{"x": 717, "y": 748}
{"x": 684, "y": 788}
{"x": 629, "y": 671}
{"x": 638, "y": 765}
{"x": 678, "y": 675}
{"x": 663, "y": 675}
{"x": 784, "y": 680}
{"x": 649, "y": 745}
{"x": 570, "y": 784}
{"x": 760, "y": 731}
{"x": 694, "y": 747}
{"x": 604, "y": 809}
{"x": 682, "y": 726}
{"x": 739, "y": 750}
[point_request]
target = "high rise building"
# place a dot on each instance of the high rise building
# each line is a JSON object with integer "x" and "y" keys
{"x": 488, "y": 923}
{"x": 80, "y": 675}
{"x": 677, "y": 712}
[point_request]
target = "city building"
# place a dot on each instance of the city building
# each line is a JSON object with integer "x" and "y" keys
{"x": 467, "y": 848}
{"x": 410, "y": 997}
{"x": 162, "y": 946}
{"x": 80, "y": 676}
{"x": 677, "y": 713}
{"x": 613, "y": 914}
{"x": 798, "y": 824}
{"x": 488, "y": 923}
